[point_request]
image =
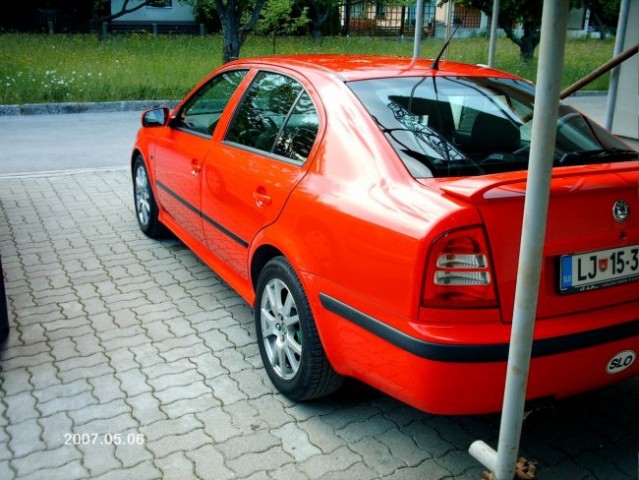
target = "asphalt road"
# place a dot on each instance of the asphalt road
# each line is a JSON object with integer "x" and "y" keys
{"x": 74, "y": 141}
{"x": 103, "y": 140}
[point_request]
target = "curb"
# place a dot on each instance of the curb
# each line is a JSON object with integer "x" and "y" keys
{"x": 57, "y": 108}
{"x": 61, "y": 173}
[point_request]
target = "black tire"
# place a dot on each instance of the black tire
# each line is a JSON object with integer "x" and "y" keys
{"x": 290, "y": 346}
{"x": 146, "y": 210}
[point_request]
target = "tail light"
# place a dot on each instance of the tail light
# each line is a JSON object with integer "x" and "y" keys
{"x": 458, "y": 272}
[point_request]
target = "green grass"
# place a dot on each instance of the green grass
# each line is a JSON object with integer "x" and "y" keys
{"x": 79, "y": 68}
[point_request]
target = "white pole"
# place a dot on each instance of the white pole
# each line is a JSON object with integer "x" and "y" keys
{"x": 419, "y": 26}
{"x": 614, "y": 73}
{"x": 449, "y": 22}
{"x": 551, "y": 52}
{"x": 494, "y": 25}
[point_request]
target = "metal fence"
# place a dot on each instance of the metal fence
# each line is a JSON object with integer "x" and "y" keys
{"x": 366, "y": 17}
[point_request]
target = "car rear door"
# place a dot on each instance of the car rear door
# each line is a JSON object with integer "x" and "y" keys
{"x": 262, "y": 156}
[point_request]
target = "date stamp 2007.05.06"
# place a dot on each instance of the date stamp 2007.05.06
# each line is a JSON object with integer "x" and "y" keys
{"x": 104, "y": 439}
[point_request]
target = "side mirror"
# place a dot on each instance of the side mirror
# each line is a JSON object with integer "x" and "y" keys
{"x": 157, "y": 117}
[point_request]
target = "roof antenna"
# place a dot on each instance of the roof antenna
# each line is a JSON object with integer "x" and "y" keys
{"x": 435, "y": 65}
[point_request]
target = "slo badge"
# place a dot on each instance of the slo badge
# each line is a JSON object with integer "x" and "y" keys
{"x": 621, "y": 362}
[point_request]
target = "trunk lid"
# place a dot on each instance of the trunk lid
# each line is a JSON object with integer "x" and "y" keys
{"x": 581, "y": 222}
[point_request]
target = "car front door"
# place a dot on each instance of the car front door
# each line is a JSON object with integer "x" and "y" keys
{"x": 179, "y": 155}
{"x": 261, "y": 158}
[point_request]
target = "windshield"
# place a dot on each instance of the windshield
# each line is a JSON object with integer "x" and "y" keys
{"x": 454, "y": 126}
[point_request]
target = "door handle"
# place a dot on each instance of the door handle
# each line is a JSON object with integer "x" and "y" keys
{"x": 195, "y": 167}
{"x": 261, "y": 198}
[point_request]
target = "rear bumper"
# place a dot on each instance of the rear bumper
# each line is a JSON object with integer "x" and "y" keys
{"x": 467, "y": 378}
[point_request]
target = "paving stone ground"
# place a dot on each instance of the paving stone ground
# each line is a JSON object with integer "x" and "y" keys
{"x": 129, "y": 359}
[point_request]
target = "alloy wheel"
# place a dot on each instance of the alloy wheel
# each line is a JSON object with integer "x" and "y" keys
{"x": 281, "y": 330}
{"x": 142, "y": 195}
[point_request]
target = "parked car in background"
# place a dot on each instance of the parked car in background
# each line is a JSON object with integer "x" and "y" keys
{"x": 370, "y": 210}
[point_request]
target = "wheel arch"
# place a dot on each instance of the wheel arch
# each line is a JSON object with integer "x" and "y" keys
{"x": 280, "y": 240}
{"x": 138, "y": 152}
{"x": 260, "y": 258}
{"x": 298, "y": 258}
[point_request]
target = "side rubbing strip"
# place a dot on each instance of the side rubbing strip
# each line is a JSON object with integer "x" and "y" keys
{"x": 204, "y": 217}
{"x": 476, "y": 353}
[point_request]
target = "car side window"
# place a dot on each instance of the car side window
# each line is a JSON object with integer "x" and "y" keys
{"x": 299, "y": 132}
{"x": 276, "y": 116}
{"x": 202, "y": 111}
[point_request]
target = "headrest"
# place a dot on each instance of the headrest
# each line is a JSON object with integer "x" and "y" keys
{"x": 491, "y": 132}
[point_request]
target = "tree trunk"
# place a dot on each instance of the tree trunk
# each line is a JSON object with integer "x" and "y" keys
{"x": 316, "y": 30}
{"x": 600, "y": 24}
{"x": 527, "y": 42}
{"x": 527, "y": 48}
{"x": 231, "y": 46}
{"x": 318, "y": 19}
{"x": 231, "y": 39}
{"x": 233, "y": 33}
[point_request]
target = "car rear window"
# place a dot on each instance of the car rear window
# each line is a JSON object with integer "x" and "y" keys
{"x": 461, "y": 126}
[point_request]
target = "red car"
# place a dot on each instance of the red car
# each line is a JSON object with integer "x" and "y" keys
{"x": 371, "y": 212}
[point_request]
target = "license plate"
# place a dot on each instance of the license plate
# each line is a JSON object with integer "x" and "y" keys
{"x": 587, "y": 271}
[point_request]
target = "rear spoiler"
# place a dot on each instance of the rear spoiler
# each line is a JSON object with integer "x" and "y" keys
{"x": 565, "y": 181}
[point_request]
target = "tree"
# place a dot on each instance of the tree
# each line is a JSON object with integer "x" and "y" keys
{"x": 525, "y": 13}
{"x": 320, "y": 13}
{"x": 238, "y": 19}
{"x": 281, "y": 17}
{"x": 603, "y": 13}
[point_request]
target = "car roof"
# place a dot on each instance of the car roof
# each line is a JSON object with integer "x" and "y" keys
{"x": 351, "y": 67}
